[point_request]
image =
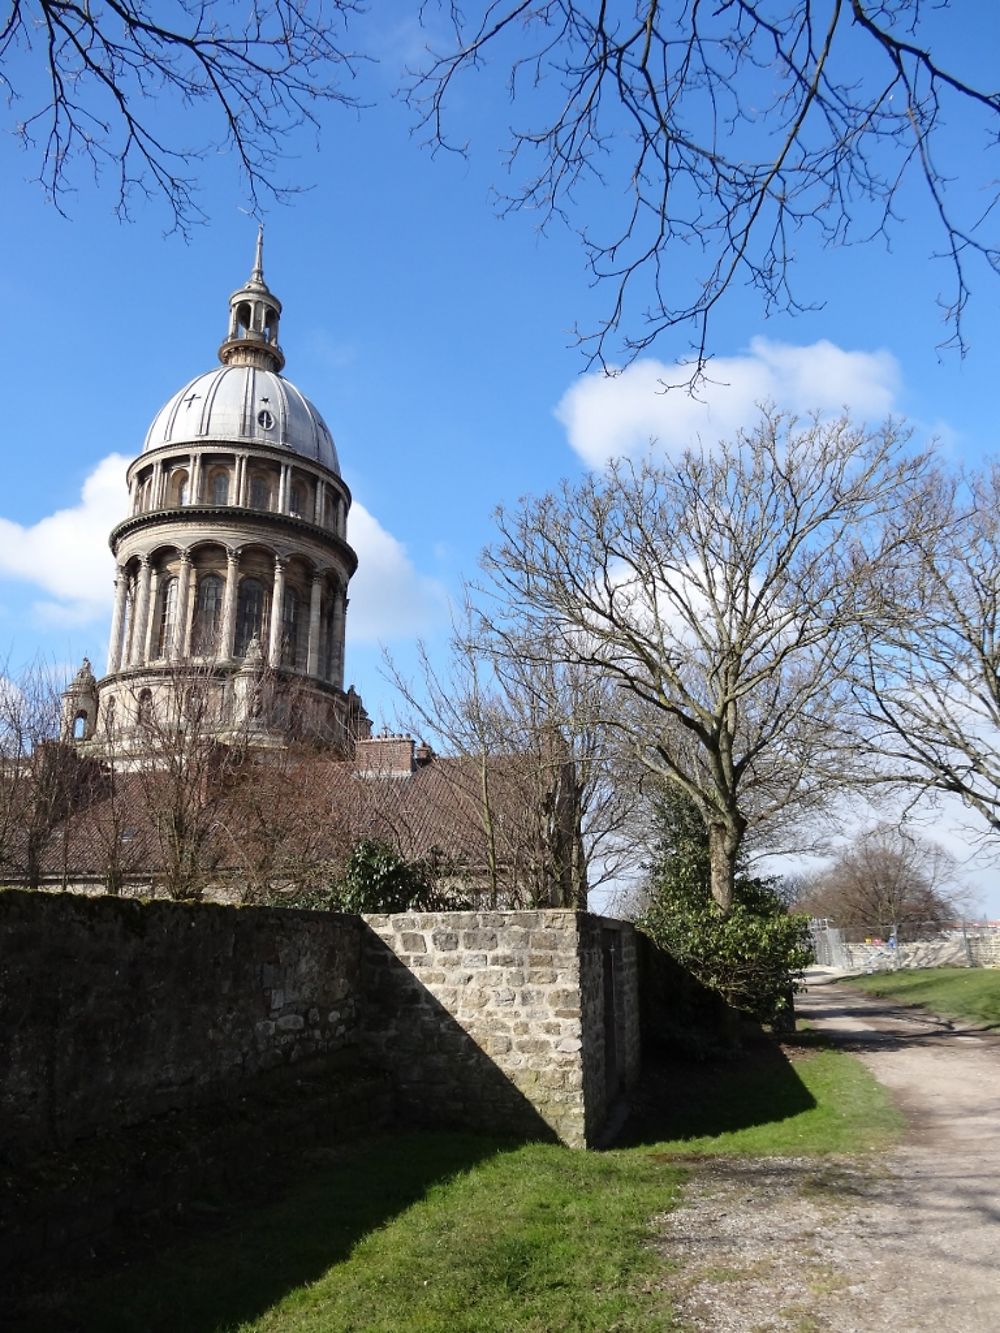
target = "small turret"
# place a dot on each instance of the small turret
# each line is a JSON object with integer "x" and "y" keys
{"x": 79, "y": 705}
{"x": 254, "y": 314}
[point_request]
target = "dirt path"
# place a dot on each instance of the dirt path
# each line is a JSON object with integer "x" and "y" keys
{"x": 909, "y": 1243}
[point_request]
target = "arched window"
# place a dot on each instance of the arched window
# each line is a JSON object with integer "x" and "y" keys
{"x": 208, "y": 614}
{"x": 250, "y": 606}
{"x": 166, "y": 638}
{"x": 260, "y": 491}
{"x": 180, "y": 487}
{"x": 145, "y": 713}
{"x": 80, "y": 727}
{"x": 220, "y": 487}
{"x": 297, "y": 500}
{"x": 293, "y": 627}
{"x": 242, "y": 319}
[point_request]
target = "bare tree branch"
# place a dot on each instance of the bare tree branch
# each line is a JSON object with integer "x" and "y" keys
{"x": 928, "y": 685}
{"x": 729, "y": 133}
{"x": 723, "y": 596}
{"x": 105, "y": 66}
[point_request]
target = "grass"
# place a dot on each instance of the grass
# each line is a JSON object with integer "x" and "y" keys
{"x": 961, "y": 992}
{"x": 816, "y": 1102}
{"x": 446, "y": 1233}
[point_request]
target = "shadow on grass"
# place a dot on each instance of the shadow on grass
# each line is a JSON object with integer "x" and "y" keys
{"x": 756, "y": 1084}
{"x": 233, "y": 1266}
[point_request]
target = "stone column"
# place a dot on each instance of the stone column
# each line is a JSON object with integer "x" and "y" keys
{"x": 283, "y": 489}
{"x": 339, "y": 626}
{"x": 277, "y": 611}
{"x": 117, "y": 620}
{"x": 319, "y": 514}
{"x": 225, "y": 651}
{"x": 194, "y": 494}
{"x": 140, "y": 618}
{"x": 315, "y": 625}
{"x": 241, "y": 481}
{"x": 154, "y": 586}
{"x": 156, "y": 490}
{"x": 181, "y": 646}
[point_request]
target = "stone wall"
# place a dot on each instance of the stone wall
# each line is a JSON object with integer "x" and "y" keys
{"x": 113, "y": 1011}
{"x": 977, "y": 949}
{"x": 153, "y": 1052}
{"x": 609, "y": 991}
{"x": 500, "y": 1019}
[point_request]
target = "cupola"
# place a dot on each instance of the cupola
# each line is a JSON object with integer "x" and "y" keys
{"x": 254, "y": 315}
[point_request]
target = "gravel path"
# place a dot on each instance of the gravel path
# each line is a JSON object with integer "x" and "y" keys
{"x": 910, "y": 1242}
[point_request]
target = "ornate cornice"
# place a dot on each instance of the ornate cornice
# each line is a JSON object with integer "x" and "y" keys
{"x": 155, "y": 518}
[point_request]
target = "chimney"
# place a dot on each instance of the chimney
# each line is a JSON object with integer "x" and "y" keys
{"x": 385, "y": 756}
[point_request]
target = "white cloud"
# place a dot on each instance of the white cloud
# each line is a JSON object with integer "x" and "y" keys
{"x": 389, "y": 598}
{"x": 611, "y": 416}
{"x": 66, "y": 553}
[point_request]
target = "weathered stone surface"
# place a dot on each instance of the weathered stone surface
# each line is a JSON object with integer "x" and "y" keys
{"x": 115, "y": 1010}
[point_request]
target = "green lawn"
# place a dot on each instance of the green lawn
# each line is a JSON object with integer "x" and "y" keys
{"x": 816, "y": 1102}
{"x": 961, "y": 992}
{"x": 445, "y": 1233}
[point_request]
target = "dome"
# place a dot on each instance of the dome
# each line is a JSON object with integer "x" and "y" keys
{"x": 237, "y": 404}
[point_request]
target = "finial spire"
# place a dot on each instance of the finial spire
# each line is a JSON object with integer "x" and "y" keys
{"x": 258, "y": 263}
{"x": 254, "y": 312}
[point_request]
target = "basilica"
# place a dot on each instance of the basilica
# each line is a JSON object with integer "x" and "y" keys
{"x": 220, "y": 755}
{"x": 232, "y": 564}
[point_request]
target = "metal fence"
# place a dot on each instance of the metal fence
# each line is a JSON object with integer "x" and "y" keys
{"x": 966, "y": 945}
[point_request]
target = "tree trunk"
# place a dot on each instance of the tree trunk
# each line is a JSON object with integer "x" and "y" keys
{"x": 723, "y": 847}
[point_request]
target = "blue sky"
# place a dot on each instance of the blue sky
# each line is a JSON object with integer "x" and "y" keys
{"x": 434, "y": 337}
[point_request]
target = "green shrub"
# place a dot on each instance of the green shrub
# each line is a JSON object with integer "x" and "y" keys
{"x": 378, "y": 879}
{"x": 749, "y": 955}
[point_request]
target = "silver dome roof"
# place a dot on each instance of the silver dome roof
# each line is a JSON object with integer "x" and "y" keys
{"x": 238, "y": 404}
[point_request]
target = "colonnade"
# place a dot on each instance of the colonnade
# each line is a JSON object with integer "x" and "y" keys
{"x": 136, "y": 621}
{"x": 239, "y": 486}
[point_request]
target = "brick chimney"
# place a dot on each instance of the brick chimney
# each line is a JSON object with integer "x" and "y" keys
{"x": 387, "y": 756}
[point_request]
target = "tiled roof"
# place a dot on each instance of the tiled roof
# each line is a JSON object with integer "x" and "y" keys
{"x": 313, "y": 809}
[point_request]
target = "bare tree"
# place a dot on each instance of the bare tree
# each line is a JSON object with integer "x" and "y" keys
{"x": 730, "y": 133}
{"x": 40, "y": 777}
{"x": 723, "y": 596}
{"x": 281, "y": 830}
{"x": 87, "y": 80}
{"x": 928, "y": 686}
{"x": 185, "y": 762}
{"x": 527, "y": 747}
{"x": 885, "y": 881}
